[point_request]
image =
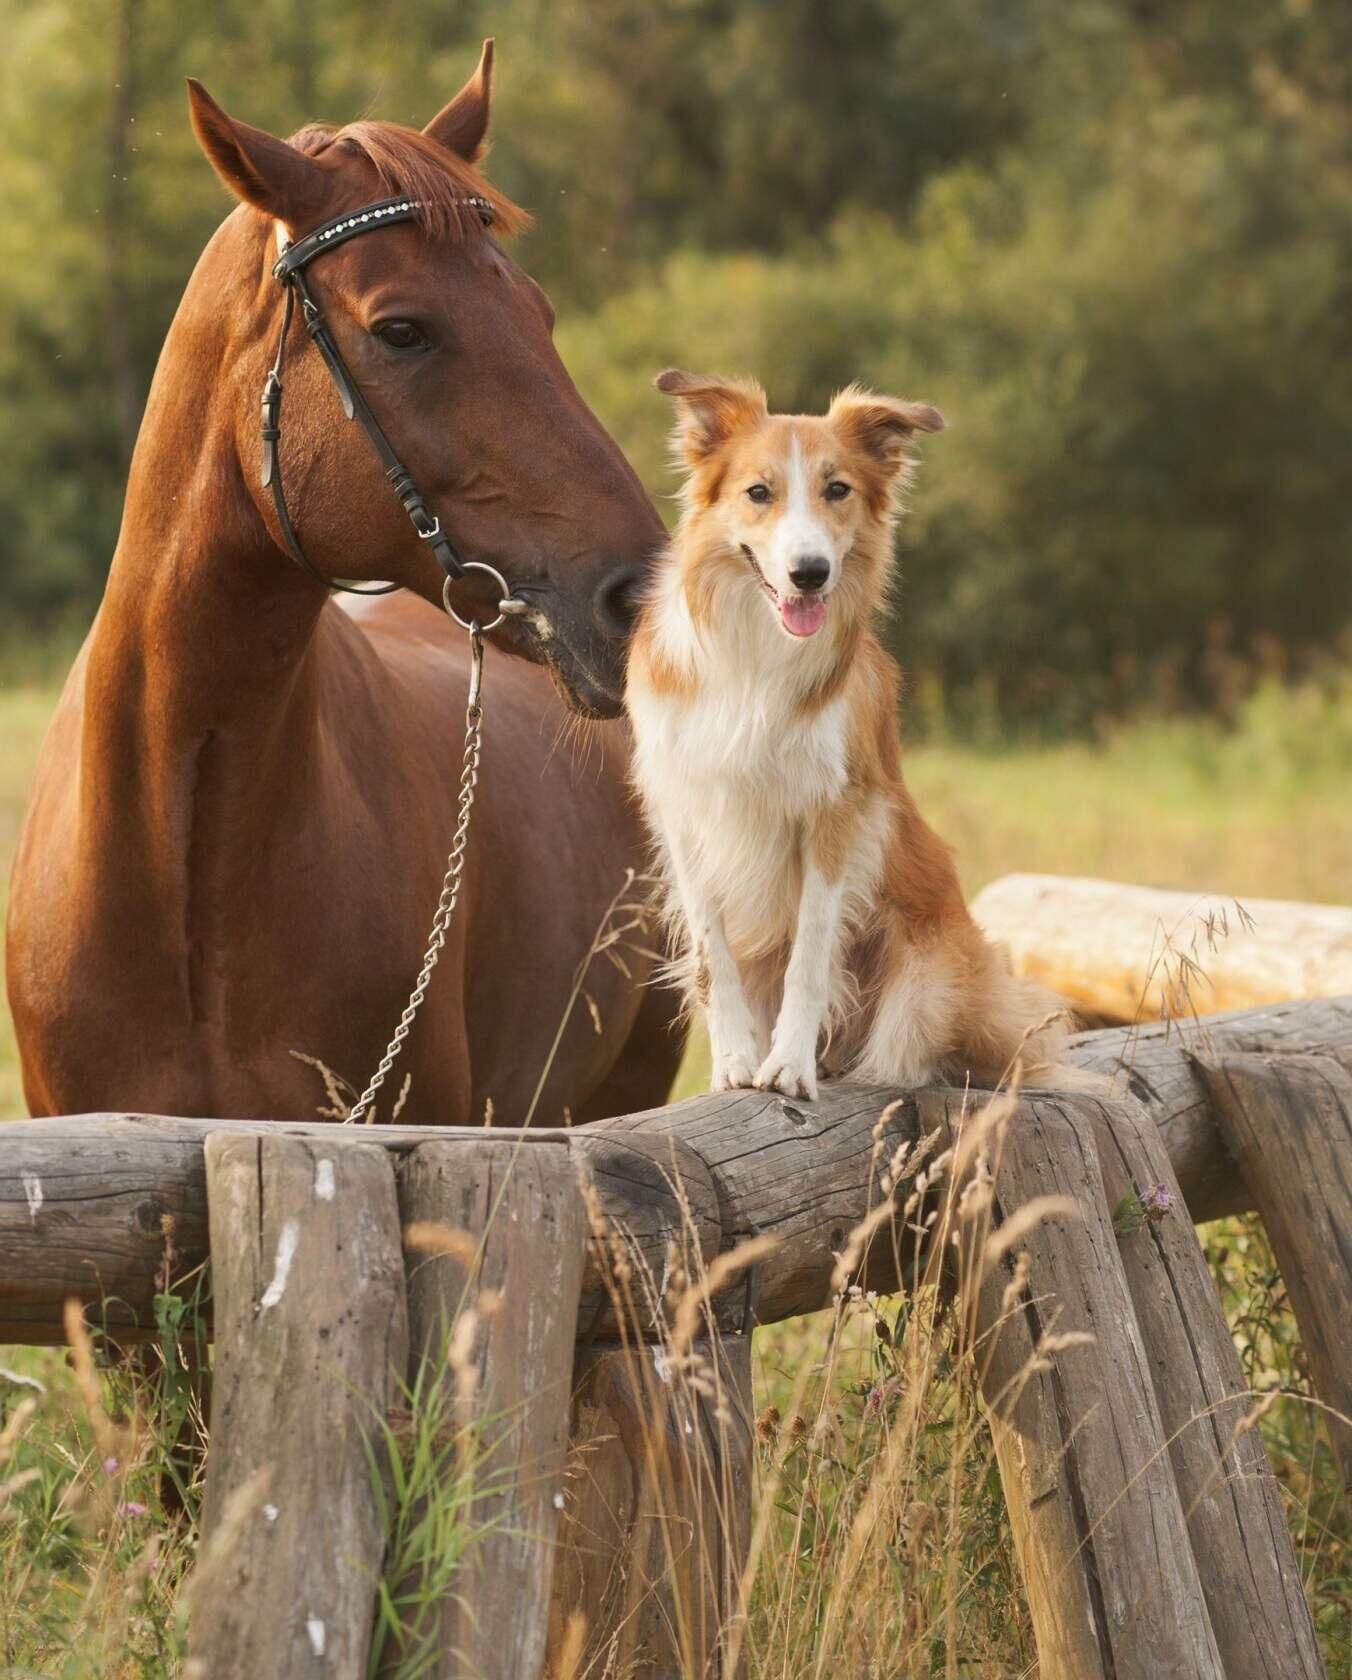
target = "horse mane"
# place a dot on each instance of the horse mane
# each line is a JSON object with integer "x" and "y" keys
{"x": 411, "y": 163}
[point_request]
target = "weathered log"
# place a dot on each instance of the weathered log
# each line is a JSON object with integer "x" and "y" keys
{"x": 1236, "y": 1524}
{"x": 521, "y": 1211}
{"x": 311, "y": 1343}
{"x": 658, "y": 1509}
{"x": 1155, "y": 1064}
{"x": 1289, "y": 1123}
{"x": 83, "y": 1200}
{"x": 1098, "y": 1525}
{"x": 1129, "y": 953}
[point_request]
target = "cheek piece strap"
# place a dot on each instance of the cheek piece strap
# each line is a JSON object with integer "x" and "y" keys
{"x": 289, "y": 270}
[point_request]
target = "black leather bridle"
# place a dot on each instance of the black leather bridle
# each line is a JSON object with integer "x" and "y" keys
{"x": 289, "y": 269}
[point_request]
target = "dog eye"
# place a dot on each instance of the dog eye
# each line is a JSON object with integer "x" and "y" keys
{"x": 759, "y": 492}
{"x": 402, "y": 335}
{"x": 837, "y": 490}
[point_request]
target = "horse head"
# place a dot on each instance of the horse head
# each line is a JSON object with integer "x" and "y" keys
{"x": 450, "y": 343}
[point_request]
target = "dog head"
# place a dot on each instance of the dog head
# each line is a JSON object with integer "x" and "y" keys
{"x": 803, "y": 502}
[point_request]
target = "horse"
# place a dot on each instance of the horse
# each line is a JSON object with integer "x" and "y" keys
{"x": 241, "y": 812}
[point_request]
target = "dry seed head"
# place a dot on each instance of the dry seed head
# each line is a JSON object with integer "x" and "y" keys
{"x": 460, "y": 1347}
{"x": 429, "y": 1236}
{"x": 1255, "y": 1416}
{"x": 14, "y": 1427}
{"x": 569, "y": 1663}
{"x": 1018, "y": 1282}
{"x": 1061, "y": 1341}
{"x": 1025, "y": 1219}
{"x": 721, "y": 1270}
{"x": 767, "y": 1425}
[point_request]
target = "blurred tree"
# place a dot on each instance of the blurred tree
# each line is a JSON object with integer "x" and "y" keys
{"x": 1113, "y": 240}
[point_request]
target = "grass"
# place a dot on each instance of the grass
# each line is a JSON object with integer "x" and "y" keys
{"x": 857, "y": 1424}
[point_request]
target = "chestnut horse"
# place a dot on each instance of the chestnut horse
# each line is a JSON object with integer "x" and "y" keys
{"x": 243, "y": 806}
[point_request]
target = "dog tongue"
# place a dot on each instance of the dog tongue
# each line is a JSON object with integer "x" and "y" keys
{"x": 802, "y": 615}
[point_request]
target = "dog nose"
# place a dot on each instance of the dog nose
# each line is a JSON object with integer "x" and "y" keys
{"x": 617, "y": 601}
{"x": 810, "y": 573}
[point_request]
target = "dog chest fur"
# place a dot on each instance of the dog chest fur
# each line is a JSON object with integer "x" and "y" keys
{"x": 734, "y": 782}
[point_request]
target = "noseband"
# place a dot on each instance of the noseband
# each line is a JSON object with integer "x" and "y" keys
{"x": 289, "y": 269}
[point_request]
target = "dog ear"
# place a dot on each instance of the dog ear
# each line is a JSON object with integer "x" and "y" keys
{"x": 709, "y": 410}
{"x": 884, "y": 427}
{"x": 257, "y": 167}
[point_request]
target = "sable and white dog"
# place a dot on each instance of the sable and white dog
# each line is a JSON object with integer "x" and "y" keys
{"x": 820, "y": 912}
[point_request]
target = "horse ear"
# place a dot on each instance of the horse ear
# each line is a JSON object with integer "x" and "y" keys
{"x": 462, "y": 126}
{"x": 257, "y": 167}
{"x": 709, "y": 410}
{"x": 883, "y": 426}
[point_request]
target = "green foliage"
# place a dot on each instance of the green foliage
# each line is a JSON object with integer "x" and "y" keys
{"x": 1113, "y": 242}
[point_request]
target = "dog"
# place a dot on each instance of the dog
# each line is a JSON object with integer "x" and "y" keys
{"x": 816, "y": 912}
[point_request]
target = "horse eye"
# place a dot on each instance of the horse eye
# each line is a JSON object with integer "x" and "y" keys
{"x": 837, "y": 490}
{"x": 758, "y": 492}
{"x": 402, "y": 335}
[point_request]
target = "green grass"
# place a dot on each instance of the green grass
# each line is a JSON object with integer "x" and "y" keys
{"x": 89, "y": 1560}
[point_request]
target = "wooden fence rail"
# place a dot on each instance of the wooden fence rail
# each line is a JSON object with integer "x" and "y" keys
{"x": 1146, "y": 1520}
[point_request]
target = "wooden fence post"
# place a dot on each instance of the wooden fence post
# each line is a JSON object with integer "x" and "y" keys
{"x": 311, "y": 1341}
{"x": 1263, "y": 1626}
{"x": 1112, "y": 1584}
{"x": 658, "y": 1515}
{"x": 518, "y": 1267}
{"x": 1288, "y": 1122}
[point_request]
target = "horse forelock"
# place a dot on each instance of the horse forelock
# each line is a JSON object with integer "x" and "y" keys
{"x": 412, "y": 163}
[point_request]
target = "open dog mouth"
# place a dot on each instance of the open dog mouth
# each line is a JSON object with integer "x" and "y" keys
{"x": 799, "y": 615}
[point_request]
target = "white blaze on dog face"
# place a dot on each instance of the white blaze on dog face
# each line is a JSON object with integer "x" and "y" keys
{"x": 791, "y": 493}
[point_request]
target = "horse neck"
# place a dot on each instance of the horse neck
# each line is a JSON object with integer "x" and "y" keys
{"x": 206, "y": 632}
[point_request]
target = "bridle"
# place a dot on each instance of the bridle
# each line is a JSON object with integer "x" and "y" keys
{"x": 290, "y": 269}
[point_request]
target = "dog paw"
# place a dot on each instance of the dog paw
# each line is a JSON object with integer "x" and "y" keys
{"x": 733, "y": 1070}
{"x": 793, "y": 1074}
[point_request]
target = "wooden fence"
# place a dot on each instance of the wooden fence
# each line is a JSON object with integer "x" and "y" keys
{"x": 1147, "y": 1522}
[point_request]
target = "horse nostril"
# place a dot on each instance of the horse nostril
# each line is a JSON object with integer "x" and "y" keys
{"x": 617, "y": 600}
{"x": 810, "y": 573}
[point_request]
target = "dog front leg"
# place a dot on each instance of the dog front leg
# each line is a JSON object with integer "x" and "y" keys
{"x": 791, "y": 1066}
{"x": 717, "y": 981}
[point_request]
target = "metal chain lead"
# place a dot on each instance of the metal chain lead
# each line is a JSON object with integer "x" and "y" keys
{"x": 450, "y": 885}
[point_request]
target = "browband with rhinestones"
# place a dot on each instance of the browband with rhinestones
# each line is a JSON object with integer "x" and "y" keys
{"x": 345, "y": 227}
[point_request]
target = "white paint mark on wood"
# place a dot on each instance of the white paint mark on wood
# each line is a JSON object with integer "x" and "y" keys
{"x": 18, "y": 1379}
{"x": 315, "y": 1628}
{"x": 286, "y": 1253}
{"x": 271, "y": 1513}
{"x": 661, "y": 1364}
{"x": 32, "y": 1189}
{"x": 558, "y": 1501}
{"x": 324, "y": 1179}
